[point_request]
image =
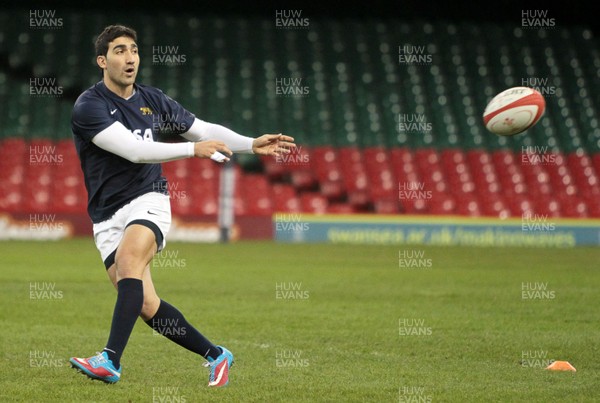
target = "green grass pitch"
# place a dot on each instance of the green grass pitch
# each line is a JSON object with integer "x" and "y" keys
{"x": 335, "y": 323}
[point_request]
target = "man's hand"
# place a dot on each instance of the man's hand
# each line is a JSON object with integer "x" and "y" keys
{"x": 273, "y": 144}
{"x": 206, "y": 149}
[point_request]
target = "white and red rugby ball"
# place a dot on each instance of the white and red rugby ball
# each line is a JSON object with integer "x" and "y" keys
{"x": 513, "y": 111}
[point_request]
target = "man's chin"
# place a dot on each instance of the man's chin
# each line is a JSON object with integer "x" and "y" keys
{"x": 129, "y": 80}
{"x": 126, "y": 82}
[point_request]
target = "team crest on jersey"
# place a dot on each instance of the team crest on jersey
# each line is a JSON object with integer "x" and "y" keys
{"x": 145, "y": 110}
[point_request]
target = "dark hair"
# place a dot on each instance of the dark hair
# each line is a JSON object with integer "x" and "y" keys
{"x": 111, "y": 33}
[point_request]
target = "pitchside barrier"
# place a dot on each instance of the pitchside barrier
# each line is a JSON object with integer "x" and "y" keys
{"x": 51, "y": 226}
{"x": 529, "y": 230}
{"x": 534, "y": 230}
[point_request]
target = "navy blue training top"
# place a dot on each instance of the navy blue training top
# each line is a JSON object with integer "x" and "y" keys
{"x": 113, "y": 181}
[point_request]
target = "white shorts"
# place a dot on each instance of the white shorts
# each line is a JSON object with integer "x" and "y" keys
{"x": 152, "y": 210}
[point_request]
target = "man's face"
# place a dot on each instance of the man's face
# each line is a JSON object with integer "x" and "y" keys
{"x": 121, "y": 62}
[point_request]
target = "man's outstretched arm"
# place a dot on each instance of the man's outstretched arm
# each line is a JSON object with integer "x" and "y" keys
{"x": 120, "y": 141}
{"x": 268, "y": 144}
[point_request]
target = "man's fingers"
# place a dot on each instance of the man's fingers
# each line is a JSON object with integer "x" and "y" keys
{"x": 286, "y": 138}
{"x": 218, "y": 157}
{"x": 281, "y": 150}
{"x": 280, "y": 137}
{"x": 224, "y": 149}
{"x": 286, "y": 144}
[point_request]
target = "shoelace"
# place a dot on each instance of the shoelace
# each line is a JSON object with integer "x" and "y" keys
{"x": 97, "y": 359}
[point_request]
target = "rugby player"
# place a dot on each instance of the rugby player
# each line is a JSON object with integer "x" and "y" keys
{"x": 116, "y": 137}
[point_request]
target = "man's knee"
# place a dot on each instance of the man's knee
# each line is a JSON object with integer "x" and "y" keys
{"x": 150, "y": 306}
{"x": 135, "y": 251}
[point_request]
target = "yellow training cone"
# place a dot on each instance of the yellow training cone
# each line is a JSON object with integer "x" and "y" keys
{"x": 561, "y": 366}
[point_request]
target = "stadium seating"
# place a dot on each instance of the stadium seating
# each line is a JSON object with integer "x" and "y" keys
{"x": 354, "y": 154}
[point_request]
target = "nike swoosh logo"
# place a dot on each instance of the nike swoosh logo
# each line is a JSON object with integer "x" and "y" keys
{"x": 113, "y": 112}
{"x": 220, "y": 375}
{"x": 150, "y": 212}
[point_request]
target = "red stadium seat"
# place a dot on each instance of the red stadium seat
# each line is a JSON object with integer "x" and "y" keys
{"x": 547, "y": 206}
{"x": 327, "y": 171}
{"x": 11, "y": 199}
{"x": 493, "y": 205}
{"x": 452, "y": 156}
{"x": 13, "y": 152}
{"x": 285, "y": 199}
{"x": 37, "y": 199}
{"x": 467, "y": 204}
{"x": 69, "y": 200}
{"x": 443, "y": 204}
{"x": 402, "y": 160}
{"x": 256, "y": 193}
{"x": 341, "y": 208}
{"x": 176, "y": 171}
{"x": 354, "y": 176}
{"x": 313, "y": 203}
{"x": 596, "y": 162}
{"x": 273, "y": 168}
{"x": 573, "y": 206}
{"x": 13, "y": 175}
{"x": 520, "y": 205}
{"x": 504, "y": 158}
{"x": 427, "y": 157}
{"x": 387, "y": 206}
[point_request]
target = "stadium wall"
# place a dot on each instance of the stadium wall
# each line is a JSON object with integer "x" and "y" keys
{"x": 537, "y": 231}
{"x": 540, "y": 231}
{"x": 51, "y": 226}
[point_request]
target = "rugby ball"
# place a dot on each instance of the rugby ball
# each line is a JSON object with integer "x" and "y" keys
{"x": 513, "y": 111}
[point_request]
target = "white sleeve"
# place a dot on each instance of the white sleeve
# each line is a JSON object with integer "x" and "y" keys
{"x": 118, "y": 140}
{"x": 201, "y": 131}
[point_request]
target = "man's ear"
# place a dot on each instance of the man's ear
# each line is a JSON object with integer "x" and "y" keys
{"x": 101, "y": 60}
